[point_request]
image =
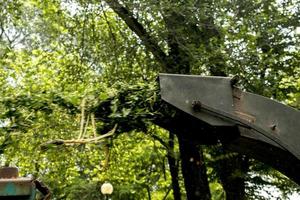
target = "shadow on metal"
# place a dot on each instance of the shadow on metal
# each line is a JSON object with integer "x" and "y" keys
{"x": 213, "y": 110}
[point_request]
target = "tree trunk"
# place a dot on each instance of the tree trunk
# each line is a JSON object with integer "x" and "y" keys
{"x": 193, "y": 170}
{"x": 232, "y": 173}
{"x": 173, "y": 168}
{"x": 177, "y": 61}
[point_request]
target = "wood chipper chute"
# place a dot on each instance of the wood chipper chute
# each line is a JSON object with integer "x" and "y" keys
{"x": 251, "y": 124}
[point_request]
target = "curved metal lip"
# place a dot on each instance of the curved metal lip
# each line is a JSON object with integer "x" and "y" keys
{"x": 231, "y": 107}
{"x": 246, "y": 124}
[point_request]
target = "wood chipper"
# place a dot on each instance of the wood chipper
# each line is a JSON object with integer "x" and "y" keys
{"x": 214, "y": 110}
{"x": 13, "y": 187}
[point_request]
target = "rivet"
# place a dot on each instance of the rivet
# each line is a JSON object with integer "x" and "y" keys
{"x": 196, "y": 105}
{"x": 273, "y": 127}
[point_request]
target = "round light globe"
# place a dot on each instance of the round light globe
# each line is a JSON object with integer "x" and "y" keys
{"x": 107, "y": 188}
{"x": 297, "y": 30}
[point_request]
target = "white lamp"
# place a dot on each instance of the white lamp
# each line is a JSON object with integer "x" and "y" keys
{"x": 107, "y": 188}
{"x": 297, "y": 30}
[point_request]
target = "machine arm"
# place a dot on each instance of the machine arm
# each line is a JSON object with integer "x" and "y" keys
{"x": 261, "y": 122}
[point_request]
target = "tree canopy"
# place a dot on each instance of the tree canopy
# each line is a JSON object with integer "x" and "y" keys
{"x": 80, "y": 99}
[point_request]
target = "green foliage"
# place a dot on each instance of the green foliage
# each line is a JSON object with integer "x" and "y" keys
{"x": 292, "y": 85}
{"x": 57, "y": 54}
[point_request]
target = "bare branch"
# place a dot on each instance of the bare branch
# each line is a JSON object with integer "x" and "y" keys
{"x": 86, "y": 125}
{"x": 2, "y": 29}
{"x": 82, "y": 118}
{"x": 141, "y": 32}
{"x": 80, "y": 141}
{"x": 93, "y": 124}
{"x": 160, "y": 141}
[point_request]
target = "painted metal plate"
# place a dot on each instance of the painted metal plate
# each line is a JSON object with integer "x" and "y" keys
{"x": 20, "y": 188}
{"x": 182, "y": 91}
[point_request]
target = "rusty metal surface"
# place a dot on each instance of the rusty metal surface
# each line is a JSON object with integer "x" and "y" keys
{"x": 214, "y": 101}
{"x": 9, "y": 172}
{"x": 13, "y": 187}
{"x": 272, "y": 119}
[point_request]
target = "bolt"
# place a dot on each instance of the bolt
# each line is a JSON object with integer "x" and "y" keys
{"x": 196, "y": 105}
{"x": 273, "y": 127}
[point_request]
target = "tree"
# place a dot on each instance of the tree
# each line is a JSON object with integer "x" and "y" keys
{"x": 62, "y": 60}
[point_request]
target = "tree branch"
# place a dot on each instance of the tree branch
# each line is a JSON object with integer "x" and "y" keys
{"x": 82, "y": 118}
{"x": 79, "y": 141}
{"x": 161, "y": 141}
{"x": 140, "y": 31}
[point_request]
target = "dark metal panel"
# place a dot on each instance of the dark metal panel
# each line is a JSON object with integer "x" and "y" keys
{"x": 252, "y": 134}
{"x": 276, "y": 157}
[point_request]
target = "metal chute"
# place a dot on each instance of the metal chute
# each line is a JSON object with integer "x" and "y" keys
{"x": 266, "y": 129}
